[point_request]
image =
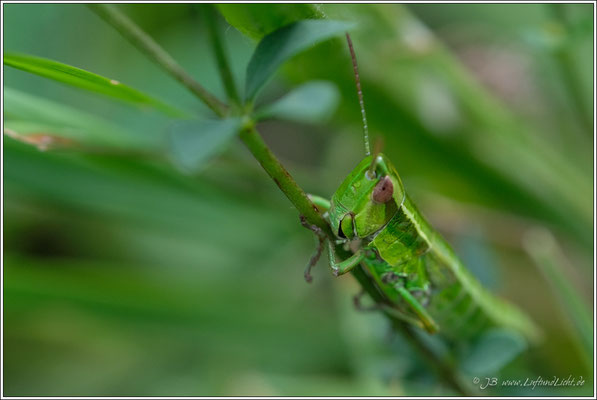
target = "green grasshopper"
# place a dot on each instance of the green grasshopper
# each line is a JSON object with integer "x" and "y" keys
{"x": 412, "y": 266}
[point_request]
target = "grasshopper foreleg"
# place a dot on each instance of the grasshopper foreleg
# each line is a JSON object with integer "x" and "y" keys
{"x": 321, "y": 239}
{"x": 340, "y": 268}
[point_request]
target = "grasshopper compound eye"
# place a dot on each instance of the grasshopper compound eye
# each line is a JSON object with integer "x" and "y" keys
{"x": 383, "y": 190}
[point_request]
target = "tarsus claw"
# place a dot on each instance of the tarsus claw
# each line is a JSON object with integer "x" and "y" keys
{"x": 308, "y": 276}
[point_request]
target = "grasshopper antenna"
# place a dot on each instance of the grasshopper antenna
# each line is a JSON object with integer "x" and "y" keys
{"x": 360, "y": 93}
{"x": 377, "y": 147}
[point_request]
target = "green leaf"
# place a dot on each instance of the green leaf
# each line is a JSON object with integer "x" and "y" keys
{"x": 193, "y": 143}
{"x": 85, "y": 80}
{"x": 257, "y": 20}
{"x": 312, "y": 102}
{"x": 277, "y": 47}
{"x": 492, "y": 351}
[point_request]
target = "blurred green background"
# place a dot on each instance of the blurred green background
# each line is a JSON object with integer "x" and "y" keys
{"x": 124, "y": 276}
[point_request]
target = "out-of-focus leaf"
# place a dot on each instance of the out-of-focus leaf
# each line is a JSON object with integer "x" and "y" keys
{"x": 85, "y": 80}
{"x": 261, "y": 19}
{"x": 277, "y": 47}
{"x": 312, "y": 102}
{"x": 478, "y": 256}
{"x": 549, "y": 258}
{"x": 27, "y": 114}
{"x": 194, "y": 142}
{"x": 492, "y": 351}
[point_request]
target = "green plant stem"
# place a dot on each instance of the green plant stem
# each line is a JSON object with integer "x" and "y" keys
{"x": 218, "y": 48}
{"x": 282, "y": 178}
{"x": 305, "y": 207}
{"x": 154, "y": 51}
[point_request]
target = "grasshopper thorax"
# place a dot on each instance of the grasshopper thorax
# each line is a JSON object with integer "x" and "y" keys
{"x": 367, "y": 199}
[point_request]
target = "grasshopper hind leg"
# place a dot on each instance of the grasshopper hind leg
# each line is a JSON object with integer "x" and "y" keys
{"x": 385, "y": 308}
{"x": 428, "y": 322}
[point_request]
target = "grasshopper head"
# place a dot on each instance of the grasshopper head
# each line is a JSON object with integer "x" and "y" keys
{"x": 367, "y": 199}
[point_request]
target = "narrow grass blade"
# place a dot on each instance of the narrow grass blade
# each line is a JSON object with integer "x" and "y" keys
{"x": 29, "y": 115}
{"x": 549, "y": 258}
{"x": 85, "y": 80}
